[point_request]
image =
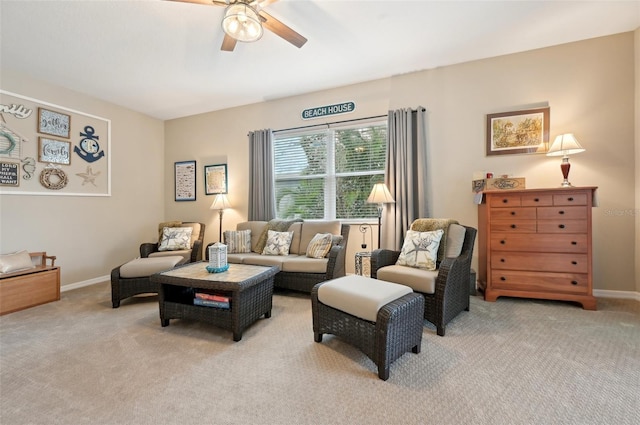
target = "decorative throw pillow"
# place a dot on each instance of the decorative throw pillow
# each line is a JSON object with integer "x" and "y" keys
{"x": 319, "y": 245}
{"x": 175, "y": 239}
{"x": 237, "y": 241}
{"x": 17, "y": 261}
{"x": 278, "y": 243}
{"x": 420, "y": 249}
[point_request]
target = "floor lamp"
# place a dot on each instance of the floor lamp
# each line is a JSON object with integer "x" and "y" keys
{"x": 380, "y": 195}
{"x": 220, "y": 203}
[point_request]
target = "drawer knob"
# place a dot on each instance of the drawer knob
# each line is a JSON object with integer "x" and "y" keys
{"x": 536, "y": 199}
{"x": 574, "y": 282}
{"x": 503, "y": 242}
{"x": 502, "y": 278}
{"x": 570, "y": 199}
{"x": 561, "y": 226}
{"x": 502, "y": 260}
{"x": 504, "y": 201}
{"x": 513, "y": 213}
{"x": 561, "y": 212}
{"x": 574, "y": 262}
{"x": 513, "y": 226}
{"x": 574, "y": 243}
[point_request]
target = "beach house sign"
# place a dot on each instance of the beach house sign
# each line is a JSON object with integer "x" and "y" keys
{"x": 323, "y": 111}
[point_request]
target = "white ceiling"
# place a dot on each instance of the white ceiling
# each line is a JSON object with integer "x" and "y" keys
{"x": 163, "y": 58}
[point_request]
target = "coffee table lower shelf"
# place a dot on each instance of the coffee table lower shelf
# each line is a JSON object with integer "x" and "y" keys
{"x": 251, "y": 297}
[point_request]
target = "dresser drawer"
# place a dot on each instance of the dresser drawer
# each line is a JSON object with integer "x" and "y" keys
{"x": 562, "y": 226}
{"x": 513, "y": 226}
{"x": 536, "y": 200}
{"x": 539, "y": 242}
{"x": 570, "y": 283}
{"x": 570, "y": 213}
{"x": 513, "y": 213}
{"x": 506, "y": 200}
{"x": 552, "y": 262}
{"x": 570, "y": 199}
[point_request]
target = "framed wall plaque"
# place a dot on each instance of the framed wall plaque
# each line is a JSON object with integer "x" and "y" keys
{"x": 215, "y": 179}
{"x": 54, "y": 151}
{"x": 54, "y": 123}
{"x": 185, "y": 180}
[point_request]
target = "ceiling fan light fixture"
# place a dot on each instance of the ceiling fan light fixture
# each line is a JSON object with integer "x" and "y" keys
{"x": 242, "y": 22}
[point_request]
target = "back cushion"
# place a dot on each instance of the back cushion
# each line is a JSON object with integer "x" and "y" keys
{"x": 256, "y": 228}
{"x": 195, "y": 232}
{"x": 455, "y": 240}
{"x": 311, "y": 228}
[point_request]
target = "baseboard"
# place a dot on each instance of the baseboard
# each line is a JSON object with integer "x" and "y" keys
{"x": 628, "y": 295}
{"x": 84, "y": 283}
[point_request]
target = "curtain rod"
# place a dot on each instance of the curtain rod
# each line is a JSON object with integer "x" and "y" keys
{"x": 330, "y": 123}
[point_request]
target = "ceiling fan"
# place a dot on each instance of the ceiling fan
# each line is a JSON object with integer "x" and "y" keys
{"x": 244, "y": 21}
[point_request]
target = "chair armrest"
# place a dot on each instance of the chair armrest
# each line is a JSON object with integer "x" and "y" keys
{"x": 196, "y": 251}
{"x": 147, "y": 248}
{"x": 335, "y": 265}
{"x": 381, "y": 258}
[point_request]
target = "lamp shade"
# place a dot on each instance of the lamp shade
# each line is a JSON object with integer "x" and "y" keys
{"x": 380, "y": 195}
{"x": 565, "y": 144}
{"x": 242, "y": 22}
{"x": 220, "y": 202}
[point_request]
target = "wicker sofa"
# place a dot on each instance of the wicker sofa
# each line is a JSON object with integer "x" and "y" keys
{"x": 297, "y": 271}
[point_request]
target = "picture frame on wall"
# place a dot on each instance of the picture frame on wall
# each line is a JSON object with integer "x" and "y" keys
{"x": 54, "y": 123}
{"x": 518, "y": 132}
{"x": 54, "y": 151}
{"x": 185, "y": 180}
{"x": 215, "y": 179}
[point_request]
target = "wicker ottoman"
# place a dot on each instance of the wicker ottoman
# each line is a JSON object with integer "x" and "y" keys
{"x": 382, "y": 319}
{"x": 132, "y": 278}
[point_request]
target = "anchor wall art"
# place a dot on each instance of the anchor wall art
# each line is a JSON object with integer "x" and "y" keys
{"x": 47, "y": 149}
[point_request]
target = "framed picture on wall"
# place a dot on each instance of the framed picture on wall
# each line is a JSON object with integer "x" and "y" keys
{"x": 54, "y": 151}
{"x": 54, "y": 123}
{"x": 185, "y": 180}
{"x": 215, "y": 179}
{"x": 516, "y": 132}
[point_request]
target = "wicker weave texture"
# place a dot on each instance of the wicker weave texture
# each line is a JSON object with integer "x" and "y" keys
{"x": 451, "y": 294}
{"x": 397, "y": 330}
{"x": 250, "y": 299}
{"x": 122, "y": 288}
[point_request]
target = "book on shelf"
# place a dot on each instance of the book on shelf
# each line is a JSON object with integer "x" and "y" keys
{"x": 212, "y": 297}
{"x": 210, "y": 303}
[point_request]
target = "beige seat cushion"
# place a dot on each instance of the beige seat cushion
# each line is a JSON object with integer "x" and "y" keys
{"x": 185, "y": 255}
{"x": 418, "y": 279}
{"x": 143, "y": 267}
{"x": 360, "y": 296}
{"x": 304, "y": 264}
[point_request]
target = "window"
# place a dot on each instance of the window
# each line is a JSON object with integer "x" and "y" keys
{"x": 328, "y": 173}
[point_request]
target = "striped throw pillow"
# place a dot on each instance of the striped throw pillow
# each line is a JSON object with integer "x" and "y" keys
{"x": 237, "y": 241}
{"x": 319, "y": 246}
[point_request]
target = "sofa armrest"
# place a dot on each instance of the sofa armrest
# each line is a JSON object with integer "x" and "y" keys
{"x": 147, "y": 248}
{"x": 381, "y": 258}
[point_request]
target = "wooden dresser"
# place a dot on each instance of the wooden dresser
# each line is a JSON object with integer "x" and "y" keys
{"x": 536, "y": 243}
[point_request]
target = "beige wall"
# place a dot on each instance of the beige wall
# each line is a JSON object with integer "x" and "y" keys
{"x": 637, "y": 142}
{"x": 589, "y": 86}
{"x": 91, "y": 235}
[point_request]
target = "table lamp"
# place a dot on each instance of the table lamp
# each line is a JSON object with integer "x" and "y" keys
{"x": 565, "y": 145}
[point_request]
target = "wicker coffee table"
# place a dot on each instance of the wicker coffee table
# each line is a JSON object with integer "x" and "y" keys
{"x": 249, "y": 287}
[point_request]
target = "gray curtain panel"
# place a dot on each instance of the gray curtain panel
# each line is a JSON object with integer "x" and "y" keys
{"x": 262, "y": 199}
{"x": 405, "y": 174}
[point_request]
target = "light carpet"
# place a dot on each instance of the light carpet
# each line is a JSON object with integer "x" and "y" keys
{"x": 514, "y": 361}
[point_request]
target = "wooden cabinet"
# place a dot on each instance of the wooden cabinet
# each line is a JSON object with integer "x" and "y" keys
{"x": 536, "y": 243}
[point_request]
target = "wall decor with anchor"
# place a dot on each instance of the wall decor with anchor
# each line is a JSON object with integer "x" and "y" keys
{"x": 47, "y": 149}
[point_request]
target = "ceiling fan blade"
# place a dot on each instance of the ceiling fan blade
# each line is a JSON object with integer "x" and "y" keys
{"x": 205, "y": 2}
{"x": 228, "y": 44}
{"x": 280, "y": 29}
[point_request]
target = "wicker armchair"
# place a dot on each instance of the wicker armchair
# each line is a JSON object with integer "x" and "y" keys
{"x": 150, "y": 249}
{"x": 451, "y": 289}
